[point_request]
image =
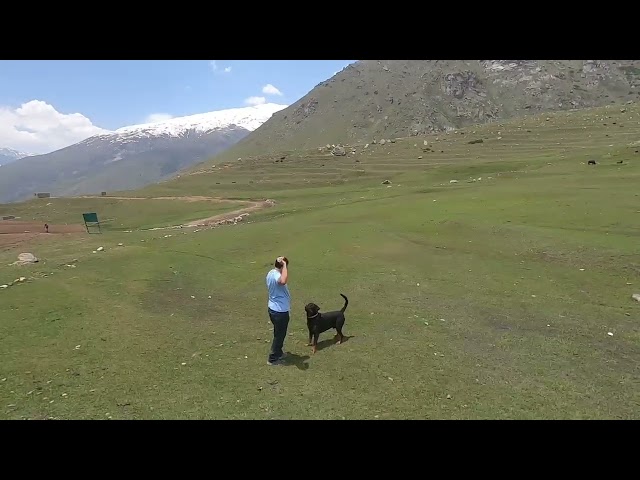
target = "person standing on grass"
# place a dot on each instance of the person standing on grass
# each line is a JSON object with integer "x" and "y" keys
{"x": 278, "y": 307}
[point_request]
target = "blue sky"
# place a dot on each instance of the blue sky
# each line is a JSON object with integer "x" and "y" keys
{"x": 117, "y": 93}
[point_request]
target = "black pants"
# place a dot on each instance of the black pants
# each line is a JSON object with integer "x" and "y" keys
{"x": 280, "y": 322}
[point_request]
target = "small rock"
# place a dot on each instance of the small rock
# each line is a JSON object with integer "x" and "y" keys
{"x": 610, "y": 334}
{"x": 453, "y": 181}
{"x": 449, "y": 397}
{"x": 636, "y": 297}
{"x": 27, "y": 258}
{"x": 4, "y": 286}
{"x": 100, "y": 249}
{"x": 121, "y": 244}
{"x": 77, "y": 347}
{"x": 183, "y": 363}
{"x": 386, "y": 182}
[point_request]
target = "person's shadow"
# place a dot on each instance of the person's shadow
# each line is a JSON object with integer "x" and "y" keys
{"x": 297, "y": 360}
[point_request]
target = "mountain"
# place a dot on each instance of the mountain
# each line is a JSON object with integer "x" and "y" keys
{"x": 8, "y": 155}
{"x": 131, "y": 157}
{"x": 375, "y": 99}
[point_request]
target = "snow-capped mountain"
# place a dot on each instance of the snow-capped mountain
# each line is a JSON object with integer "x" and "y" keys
{"x": 8, "y": 155}
{"x": 131, "y": 157}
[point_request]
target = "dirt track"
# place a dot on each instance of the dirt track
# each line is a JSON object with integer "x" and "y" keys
{"x": 14, "y": 232}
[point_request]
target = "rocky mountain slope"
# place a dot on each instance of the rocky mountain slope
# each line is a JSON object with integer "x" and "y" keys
{"x": 8, "y": 155}
{"x": 374, "y": 99}
{"x": 131, "y": 157}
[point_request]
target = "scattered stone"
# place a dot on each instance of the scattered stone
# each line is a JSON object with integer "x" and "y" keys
{"x": 100, "y": 249}
{"x": 448, "y": 397}
{"x": 121, "y": 244}
{"x": 453, "y": 181}
{"x": 473, "y": 142}
{"x": 383, "y": 141}
{"x": 25, "y": 258}
{"x": 338, "y": 151}
{"x": 636, "y": 297}
{"x": 610, "y": 334}
{"x": 386, "y": 182}
{"x": 420, "y": 157}
{"x": 4, "y": 286}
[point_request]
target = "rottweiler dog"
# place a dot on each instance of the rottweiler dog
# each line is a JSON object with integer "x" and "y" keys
{"x": 318, "y": 323}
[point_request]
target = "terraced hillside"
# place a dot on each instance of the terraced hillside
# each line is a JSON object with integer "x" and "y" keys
{"x": 381, "y": 99}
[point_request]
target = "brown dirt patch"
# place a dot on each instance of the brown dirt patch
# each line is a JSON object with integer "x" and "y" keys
{"x": 254, "y": 206}
{"x": 14, "y": 232}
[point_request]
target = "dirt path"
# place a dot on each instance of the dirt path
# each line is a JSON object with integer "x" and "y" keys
{"x": 14, "y": 232}
{"x": 227, "y": 217}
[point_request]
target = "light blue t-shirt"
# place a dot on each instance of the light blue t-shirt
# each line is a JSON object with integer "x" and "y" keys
{"x": 279, "y": 300}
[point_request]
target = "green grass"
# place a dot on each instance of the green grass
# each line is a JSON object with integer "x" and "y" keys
{"x": 116, "y": 214}
{"x": 475, "y": 300}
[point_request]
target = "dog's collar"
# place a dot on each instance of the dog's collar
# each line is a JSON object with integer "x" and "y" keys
{"x": 314, "y": 315}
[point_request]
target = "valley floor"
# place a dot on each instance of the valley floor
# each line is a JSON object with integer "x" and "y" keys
{"x": 504, "y": 295}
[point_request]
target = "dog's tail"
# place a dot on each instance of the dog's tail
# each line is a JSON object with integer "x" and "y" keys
{"x": 346, "y": 302}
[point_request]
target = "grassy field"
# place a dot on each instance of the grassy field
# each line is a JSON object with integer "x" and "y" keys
{"x": 507, "y": 297}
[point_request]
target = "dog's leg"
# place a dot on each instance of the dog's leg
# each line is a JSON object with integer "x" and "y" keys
{"x": 340, "y": 335}
{"x": 339, "y": 325}
{"x": 310, "y": 338}
{"x": 315, "y": 342}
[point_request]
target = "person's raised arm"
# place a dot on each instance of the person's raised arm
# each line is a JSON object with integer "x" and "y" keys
{"x": 284, "y": 274}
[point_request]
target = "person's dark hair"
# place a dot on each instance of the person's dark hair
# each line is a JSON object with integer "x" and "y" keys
{"x": 279, "y": 265}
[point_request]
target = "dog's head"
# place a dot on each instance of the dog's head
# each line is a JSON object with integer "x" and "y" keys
{"x": 312, "y": 310}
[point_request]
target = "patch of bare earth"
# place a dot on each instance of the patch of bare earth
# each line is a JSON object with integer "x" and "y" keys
{"x": 14, "y": 233}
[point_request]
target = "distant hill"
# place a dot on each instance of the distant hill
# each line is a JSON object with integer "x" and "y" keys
{"x": 8, "y": 155}
{"x": 131, "y": 157}
{"x": 375, "y": 99}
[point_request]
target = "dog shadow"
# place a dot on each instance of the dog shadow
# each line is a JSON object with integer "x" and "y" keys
{"x": 329, "y": 342}
{"x": 299, "y": 361}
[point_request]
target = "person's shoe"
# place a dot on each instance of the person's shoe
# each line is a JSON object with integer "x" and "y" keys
{"x": 275, "y": 363}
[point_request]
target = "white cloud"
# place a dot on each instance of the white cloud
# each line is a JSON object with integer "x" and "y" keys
{"x": 215, "y": 68}
{"x": 255, "y": 100}
{"x": 158, "y": 117}
{"x": 271, "y": 90}
{"x": 37, "y": 127}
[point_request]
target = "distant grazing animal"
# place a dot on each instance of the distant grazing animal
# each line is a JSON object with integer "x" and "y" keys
{"x": 318, "y": 323}
{"x": 591, "y": 162}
